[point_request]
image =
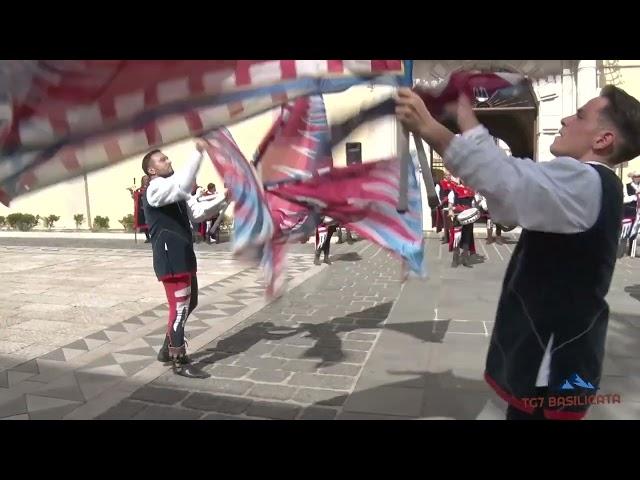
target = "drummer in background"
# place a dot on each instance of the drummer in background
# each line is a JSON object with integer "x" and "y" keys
{"x": 630, "y": 211}
{"x": 481, "y": 203}
{"x": 460, "y": 199}
{"x": 324, "y": 231}
{"x": 436, "y": 213}
{"x": 443, "y": 189}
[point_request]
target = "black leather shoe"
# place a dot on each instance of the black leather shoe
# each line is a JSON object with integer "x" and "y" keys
{"x": 188, "y": 370}
{"x": 163, "y": 353}
{"x": 164, "y": 357}
{"x": 182, "y": 360}
{"x": 326, "y": 260}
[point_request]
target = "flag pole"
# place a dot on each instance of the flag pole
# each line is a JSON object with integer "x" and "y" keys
{"x": 402, "y": 145}
{"x": 402, "y": 148}
{"x": 427, "y": 176}
{"x": 135, "y": 220}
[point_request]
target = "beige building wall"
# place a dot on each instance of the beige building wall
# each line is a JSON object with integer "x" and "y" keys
{"x": 108, "y": 195}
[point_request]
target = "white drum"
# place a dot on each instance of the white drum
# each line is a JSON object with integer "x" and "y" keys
{"x": 468, "y": 216}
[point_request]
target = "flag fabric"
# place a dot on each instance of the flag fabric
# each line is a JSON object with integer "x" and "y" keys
{"x": 364, "y": 198}
{"x": 296, "y": 149}
{"x": 62, "y": 118}
{"x": 258, "y": 231}
{"x": 478, "y": 86}
{"x": 253, "y": 225}
{"x": 298, "y": 169}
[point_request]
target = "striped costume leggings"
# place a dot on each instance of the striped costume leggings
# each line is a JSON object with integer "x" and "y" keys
{"x": 182, "y": 294}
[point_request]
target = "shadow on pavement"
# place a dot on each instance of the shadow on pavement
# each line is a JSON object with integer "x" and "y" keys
{"x": 633, "y": 291}
{"x": 346, "y": 257}
{"x": 425, "y": 394}
{"x": 623, "y": 335}
{"x": 327, "y": 347}
{"x": 477, "y": 259}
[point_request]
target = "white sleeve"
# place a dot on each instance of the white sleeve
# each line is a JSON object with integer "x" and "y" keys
{"x": 560, "y": 196}
{"x": 451, "y": 197}
{"x": 177, "y": 187}
{"x": 206, "y": 208}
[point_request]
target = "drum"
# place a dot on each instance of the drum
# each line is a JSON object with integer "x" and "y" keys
{"x": 329, "y": 222}
{"x": 321, "y": 236}
{"x": 468, "y": 216}
{"x": 625, "y": 232}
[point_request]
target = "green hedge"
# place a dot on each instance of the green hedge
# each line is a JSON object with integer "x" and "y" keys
{"x": 79, "y": 219}
{"x": 22, "y": 221}
{"x": 127, "y": 222}
{"x": 50, "y": 221}
{"x": 101, "y": 223}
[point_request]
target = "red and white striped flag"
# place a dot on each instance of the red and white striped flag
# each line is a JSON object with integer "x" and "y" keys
{"x": 62, "y": 118}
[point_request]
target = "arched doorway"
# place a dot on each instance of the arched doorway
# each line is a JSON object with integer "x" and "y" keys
{"x": 512, "y": 115}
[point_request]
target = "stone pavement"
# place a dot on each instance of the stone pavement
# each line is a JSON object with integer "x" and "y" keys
{"x": 353, "y": 343}
{"x": 349, "y": 341}
{"x": 80, "y": 323}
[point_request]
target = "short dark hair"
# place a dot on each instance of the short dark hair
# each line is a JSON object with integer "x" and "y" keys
{"x": 147, "y": 159}
{"x": 211, "y": 186}
{"x": 623, "y": 111}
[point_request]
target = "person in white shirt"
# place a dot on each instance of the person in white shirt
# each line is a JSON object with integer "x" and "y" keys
{"x": 481, "y": 203}
{"x": 169, "y": 208}
{"x": 210, "y": 235}
{"x": 547, "y": 347}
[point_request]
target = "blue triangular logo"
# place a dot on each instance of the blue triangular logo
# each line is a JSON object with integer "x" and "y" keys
{"x": 566, "y": 386}
{"x": 579, "y": 382}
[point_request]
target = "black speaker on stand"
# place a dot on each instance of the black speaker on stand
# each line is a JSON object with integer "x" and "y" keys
{"x": 354, "y": 157}
{"x": 354, "y": 153}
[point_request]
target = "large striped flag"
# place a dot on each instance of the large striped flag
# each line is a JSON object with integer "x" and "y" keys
{"x": 298, "y": 170}
{"x": 62, "y": 118}
{"x": 301, "y": 185}
{"x": 297, "y": 148}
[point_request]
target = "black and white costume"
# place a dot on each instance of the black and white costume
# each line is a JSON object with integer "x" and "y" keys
{"x": 552, "y": 316}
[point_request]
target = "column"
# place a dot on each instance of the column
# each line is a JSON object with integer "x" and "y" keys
{"x": 587, "y": 81}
